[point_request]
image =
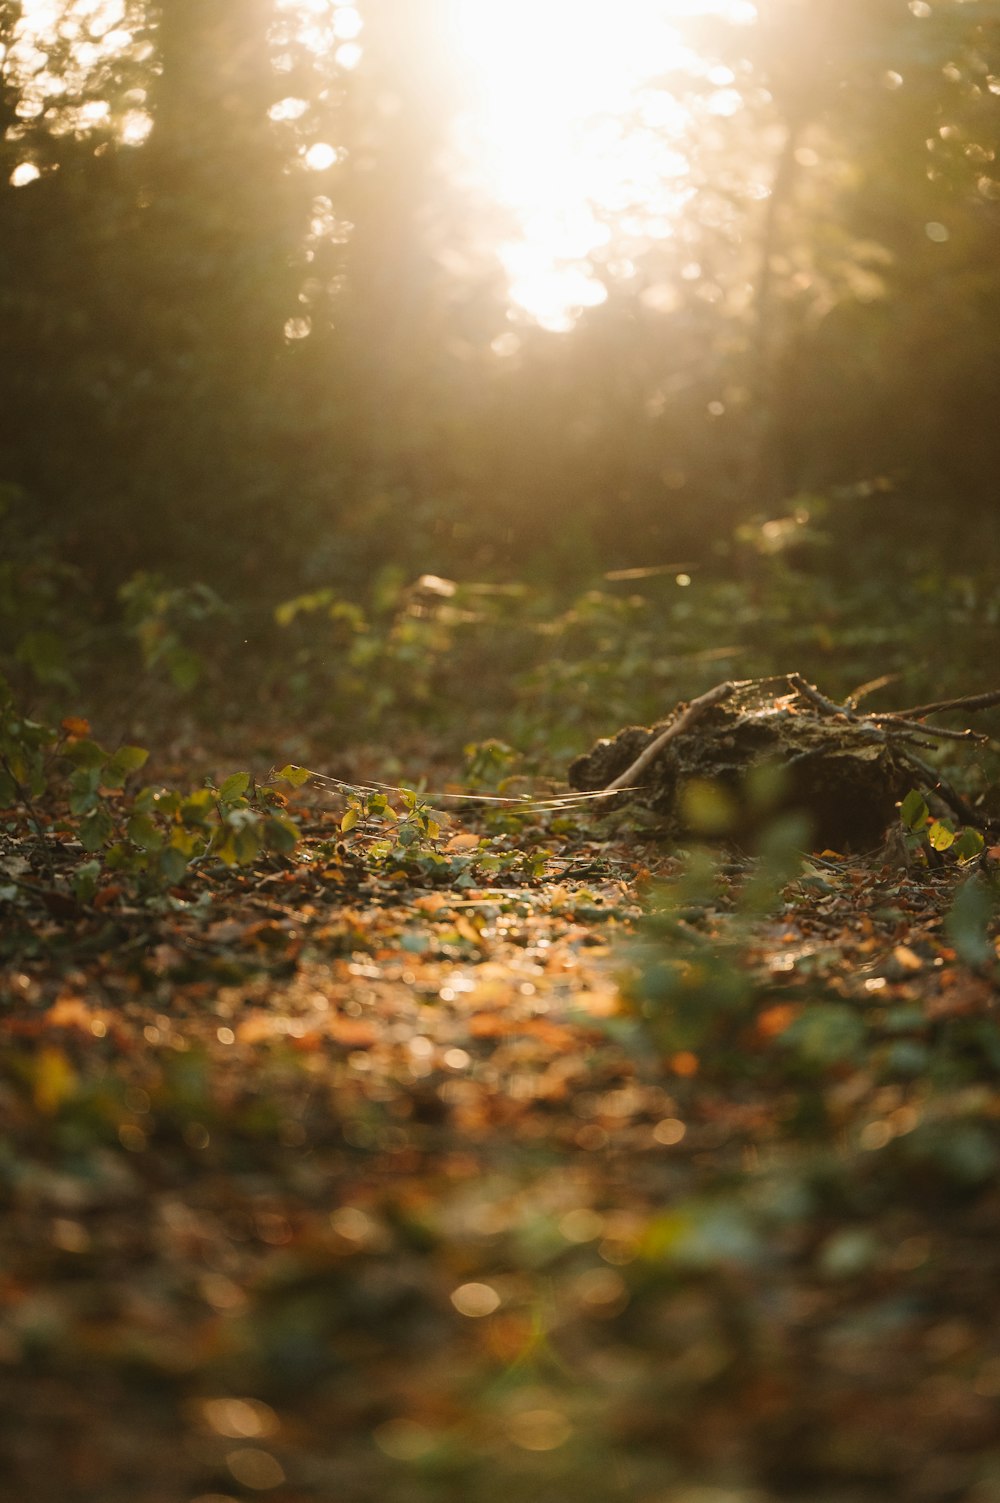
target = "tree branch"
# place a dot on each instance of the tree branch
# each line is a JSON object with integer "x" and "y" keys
{"x": 971, "y": 702}
{"x": 685, "y": 719}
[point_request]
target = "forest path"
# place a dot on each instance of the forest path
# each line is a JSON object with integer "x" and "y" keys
{"x": 334, "y": 1181}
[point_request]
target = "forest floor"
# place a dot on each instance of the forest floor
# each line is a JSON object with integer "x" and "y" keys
{"x": 584, "y": 1173}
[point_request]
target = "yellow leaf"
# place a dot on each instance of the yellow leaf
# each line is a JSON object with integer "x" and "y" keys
{"x": 294, "y": 775}
{"x": 55, "y": 1081}
{"x": 349, "y": 820}
{"x": 907, "y": 959}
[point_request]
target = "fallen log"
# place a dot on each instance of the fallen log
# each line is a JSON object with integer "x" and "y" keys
{"x": 844, "y": 769}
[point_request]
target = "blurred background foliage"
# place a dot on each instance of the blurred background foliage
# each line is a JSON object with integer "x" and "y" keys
{"x": 259, "y": 335}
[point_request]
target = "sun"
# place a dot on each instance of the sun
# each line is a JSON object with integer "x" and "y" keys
{"x": 566, "y": 131}
{"x": 569, "y": 126}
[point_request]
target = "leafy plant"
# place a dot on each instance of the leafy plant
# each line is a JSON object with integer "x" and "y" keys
{"x": 44, "y": 609}
{"x": 165, "y": 831}
{"x": 924, "y": 833}
{"x": 400, "y": 835}
{"x": 155, "y": 833}
{"x": 162, "y": 619}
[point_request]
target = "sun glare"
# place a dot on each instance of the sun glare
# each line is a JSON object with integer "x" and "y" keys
{"x": 570, "y": 125}
{"x": 571, "y": 131}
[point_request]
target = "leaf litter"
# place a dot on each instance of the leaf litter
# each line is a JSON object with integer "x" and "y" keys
{"x": 600, "y": 1173}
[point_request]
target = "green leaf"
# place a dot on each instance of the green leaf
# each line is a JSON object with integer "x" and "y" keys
{"x": 234, "y": 787}
{"x": 43, "y": 652}
{"x": 294, "y": 775}
{"x": 185, "y": 668}
{"x": 286, "y": 613}
{"x": 969, "y": 844}
{"x": 85, "y": 880}
{"x": 913, "y": 811}
{"x": 131, "y": 757}
{"x": 85, "y": 754}
{"x": 96, "y": 830}
{"x": 153, "y": 800}
{"x": 248, "y": 842}
{"x": 187, "y": 841}
{"x": 825, "y": 1034}
{"x": 281, "y": 835}
{"x": 241, "y": 845}
{"x": 126, "y": 759}
{"x": 967, "y": 923}
{"x": 173, "y": 864}
{"x": 197, "y": 807}
{"x": 143, "y": 832}
{"x": 83, "y": 795}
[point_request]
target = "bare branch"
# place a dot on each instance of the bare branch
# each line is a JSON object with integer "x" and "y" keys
{"x": 685, "y": 719}
{"x": 939, "y": 732}
{"x": 819, "y": 701}
{"x": 972, "y": 702}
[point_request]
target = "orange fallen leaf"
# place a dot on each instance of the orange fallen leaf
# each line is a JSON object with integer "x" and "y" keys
{"x": 257, "y": 1027}
{"x": 431, "y": 902}
{"x": 552, "y": 1034}
{"x": 467, "y": 929}
{"x": 774, "y": 1020}
{"x": 488, "y": 1025}
{"x": 463, "y": 843}
{"x": 69, "y": 1012}
{"x": 352, "y": 1032}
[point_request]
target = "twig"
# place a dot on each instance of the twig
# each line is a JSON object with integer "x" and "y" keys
{"x": 972, "y": 702}
{"x": 863, "y": 690}
{"x": 685, "y": 719}
{"x": 818, "y": 700}
{"x": 958, "y": 804}
{"x": 938, "y": 731}
{"x": 526, "y": 802}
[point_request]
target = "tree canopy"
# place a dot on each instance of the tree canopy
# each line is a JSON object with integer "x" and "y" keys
{"x": 251, "y": 289}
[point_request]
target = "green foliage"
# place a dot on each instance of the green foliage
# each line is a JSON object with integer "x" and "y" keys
{"x": 320, "y": 394}
{"x": 161, "y": 618}
{"x": 166, "y": 831}
{"x": 24, "y": 748}
{"x": 689, "y": 983}
{"x": 924, "y": 833}
{"x": 153, "y": 834}
{"x": 44, "y": 614}
{"x": 399, "y": 839}
{"x": 488, "y": 763}
{"x": 968, "y": 921}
